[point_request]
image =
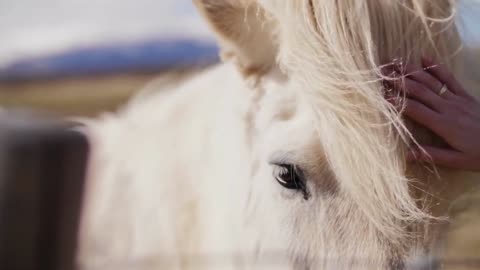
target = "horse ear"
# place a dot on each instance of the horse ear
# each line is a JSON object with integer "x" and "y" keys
{"x": 244, "y": 32}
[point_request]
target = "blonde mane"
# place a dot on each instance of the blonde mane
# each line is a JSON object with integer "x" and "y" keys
{"x": 194, "y": 170}
{"x": 336, "y": 49}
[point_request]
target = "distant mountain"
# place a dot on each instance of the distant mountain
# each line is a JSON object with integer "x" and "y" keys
{"x": 150, "y": 55}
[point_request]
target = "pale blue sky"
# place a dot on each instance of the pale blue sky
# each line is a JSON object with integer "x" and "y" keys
{"x": 33, "y": 27}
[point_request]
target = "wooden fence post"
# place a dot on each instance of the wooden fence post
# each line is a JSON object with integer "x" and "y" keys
{"x": 42, "y": 172}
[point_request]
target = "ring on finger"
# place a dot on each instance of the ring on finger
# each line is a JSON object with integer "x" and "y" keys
{"x": 443, "y": 90}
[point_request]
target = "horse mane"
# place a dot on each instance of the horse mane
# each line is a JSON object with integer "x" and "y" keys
{"x": 335, "y": 50}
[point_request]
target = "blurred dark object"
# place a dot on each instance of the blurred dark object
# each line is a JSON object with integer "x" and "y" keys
{"x": 42, "y": 171}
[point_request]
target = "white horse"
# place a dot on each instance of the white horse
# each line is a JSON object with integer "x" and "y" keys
{"x": 286, "y": 156}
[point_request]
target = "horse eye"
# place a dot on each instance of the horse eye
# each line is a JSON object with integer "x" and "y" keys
{"x": 291, "y": 177}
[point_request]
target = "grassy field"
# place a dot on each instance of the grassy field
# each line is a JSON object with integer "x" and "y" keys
{"x": 90, "y": 96}
{"x": 87, "y": 96}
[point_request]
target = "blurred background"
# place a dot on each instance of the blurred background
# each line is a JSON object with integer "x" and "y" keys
{"x": 81, "y": 58}
{"x": 75, "y": 57}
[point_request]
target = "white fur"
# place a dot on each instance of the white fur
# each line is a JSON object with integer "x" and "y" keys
{"x": 184, "y": 179}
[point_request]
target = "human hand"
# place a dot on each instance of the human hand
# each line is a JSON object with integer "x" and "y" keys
{"x": 436, "y": 100}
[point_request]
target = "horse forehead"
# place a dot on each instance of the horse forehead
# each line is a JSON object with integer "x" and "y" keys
{"x": 286, "y": 123}
{"x": 279, "y": 100}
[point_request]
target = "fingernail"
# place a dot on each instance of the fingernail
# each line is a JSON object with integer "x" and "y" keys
{"x": 427, "y": 61}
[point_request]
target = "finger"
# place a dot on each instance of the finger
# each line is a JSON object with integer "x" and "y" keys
{"x": 440, "y": 156}
{"x": 420, "y": 75}
{"x": 421, "y": 93}
{"x": 387, "y": 69}
{"x": 389, "y": 73}
{"x": 444, "y": 75}
{"x": 388, "y": 81}
{"x": 423, "y": 115}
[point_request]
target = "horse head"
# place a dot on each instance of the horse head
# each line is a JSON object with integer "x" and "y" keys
{"x": 328, "y": 149}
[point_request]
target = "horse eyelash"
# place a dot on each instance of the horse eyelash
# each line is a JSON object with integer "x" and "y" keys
{"x": 281, "y": 167}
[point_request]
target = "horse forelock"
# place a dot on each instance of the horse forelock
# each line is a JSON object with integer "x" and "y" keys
{"x": 334, "y": 51}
